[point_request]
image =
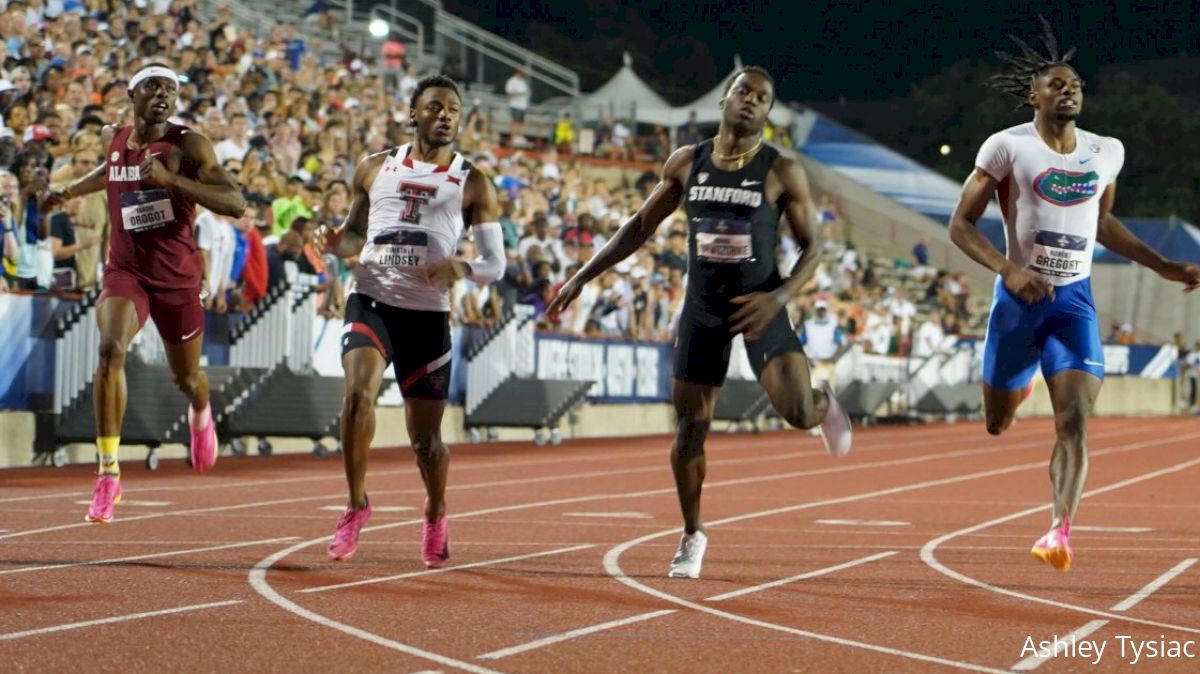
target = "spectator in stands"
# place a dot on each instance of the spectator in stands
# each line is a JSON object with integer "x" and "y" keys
{"x": 254, "y": 275}
{"x": 822, "y": 337}
{"x": 32, "y": 227}
{"x": 920, "y": 253}
{"x": 689, "y": 134}
{"x": 551, "y": 249}
{"x": 879, "y": 329}
{"x": 1192, "y": 364}
{"x": 408, "y": 84}
{"x": 289, "y": 248}
{"x": 9, "y": 193}
{"x": 675, "y": 256}
{"x": 65, "y": 243}
{"x": 217, "y": 242}
{"x": 235, "y": 144}
{"x": 517, "y": 90}
{"x": 621, "y": 143}
{"x": 929, "y": 338}
{"x": 1126, "y": 335}
{"x": 393, "y": 52}
{"x": 564, "y": 134}
{"x": 900, "y": 307}
{"x": 293, "y": 204}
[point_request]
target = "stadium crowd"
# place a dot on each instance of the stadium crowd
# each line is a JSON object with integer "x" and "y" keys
{"x": 290, "y": 122}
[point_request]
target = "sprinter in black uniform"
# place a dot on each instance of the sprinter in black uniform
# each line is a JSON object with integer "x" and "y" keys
{"x": 734, "y": 189}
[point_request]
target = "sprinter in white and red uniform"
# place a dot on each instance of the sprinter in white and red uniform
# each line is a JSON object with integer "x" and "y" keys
{"x": 411, "y": 205}
{"x": 1056, "y": 185}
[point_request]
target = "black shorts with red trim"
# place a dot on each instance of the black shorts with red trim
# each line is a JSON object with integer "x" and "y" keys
{"x": 416, "y": 343}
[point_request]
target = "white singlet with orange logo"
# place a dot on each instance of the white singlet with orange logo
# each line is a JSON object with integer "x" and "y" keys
{"x": 1051, "y": 201}
{"x": 415, "y": 219}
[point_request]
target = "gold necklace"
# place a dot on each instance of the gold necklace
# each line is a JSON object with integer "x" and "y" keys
{"x": 741, "y": 158}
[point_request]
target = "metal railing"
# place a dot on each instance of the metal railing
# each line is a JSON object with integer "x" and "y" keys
{"x": 508, "y": 353}
{"x": 76, "y": 351}
{"x": 279, "y": 329}
{"x": 539, "y": 68}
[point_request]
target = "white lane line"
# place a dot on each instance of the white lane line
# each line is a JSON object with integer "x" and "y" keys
{"x": 155, "y": 555}
{"x": 612, "y": 558}
{"x": 378, "y": 509}
{"x": 864, "y": 523}
{"x": 1137, "y": 597}
{"x": 573, "y": 634}
{"x": 116, "y": 619}
{"x": 1038, "y": 659}
{"x": 257, "y": 577}
{"x": 929, "y": 550}
{"x": 804, "y": 576}
{"x": 848, "y": 467}
{"x": 130, "y": 502}
{"x": 446, "y": 569}
{"x": 1058, "y": 644}
{"x": 941, "y": 436}
{"x": 628, "y": 516}
{"x": 1114, "y": 530}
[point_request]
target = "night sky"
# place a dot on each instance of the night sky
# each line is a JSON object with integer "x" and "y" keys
{"x": 857, "y": 50}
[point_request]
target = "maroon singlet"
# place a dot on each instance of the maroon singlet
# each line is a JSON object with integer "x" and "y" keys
{"x": 152, "y": 227}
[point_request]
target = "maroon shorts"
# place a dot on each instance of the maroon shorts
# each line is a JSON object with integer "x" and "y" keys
{"x": 177, "y": 312}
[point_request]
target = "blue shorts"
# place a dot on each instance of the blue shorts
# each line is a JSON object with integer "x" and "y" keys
{"x": 1063, "y": 334}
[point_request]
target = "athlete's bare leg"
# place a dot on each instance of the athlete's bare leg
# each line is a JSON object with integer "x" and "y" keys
{"x": 1073, "y": 394}
{"x": 694, "y": 404}
{"x": 788, "y": 383}
{"x": 184, "y": 360}
{"x": 364, "y": 373}
{"x": 424, "y": 421}
{"x": 118, "y": 322}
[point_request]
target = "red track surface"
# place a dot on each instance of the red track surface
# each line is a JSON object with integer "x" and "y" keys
{"x": 209, "y": 573}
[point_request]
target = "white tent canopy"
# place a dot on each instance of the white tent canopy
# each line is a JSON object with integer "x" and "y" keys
{"x": 627, "y": 95}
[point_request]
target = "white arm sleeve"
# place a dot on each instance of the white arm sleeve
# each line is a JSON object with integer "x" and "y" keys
{"x": 489, "y": 241}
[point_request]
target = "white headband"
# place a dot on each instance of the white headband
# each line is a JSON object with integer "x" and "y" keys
{"x": 153, "y": 71}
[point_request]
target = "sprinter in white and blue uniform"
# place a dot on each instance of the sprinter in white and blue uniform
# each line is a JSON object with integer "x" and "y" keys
{"x": 1056, "y": 184}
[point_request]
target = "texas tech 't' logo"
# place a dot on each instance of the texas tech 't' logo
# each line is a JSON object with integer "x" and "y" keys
{"x": 414, "y": 196}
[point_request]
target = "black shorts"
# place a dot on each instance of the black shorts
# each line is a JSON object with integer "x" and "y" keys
{"x": 416, "y": 343}
{"x": 705, "y": 337}
{"x": 517, "y": 114}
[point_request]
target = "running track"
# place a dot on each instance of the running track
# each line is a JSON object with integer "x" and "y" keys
{"x": 909, "y": 555}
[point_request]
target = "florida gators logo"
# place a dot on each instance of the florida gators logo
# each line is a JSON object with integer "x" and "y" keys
{"x": 1066, "y": 188}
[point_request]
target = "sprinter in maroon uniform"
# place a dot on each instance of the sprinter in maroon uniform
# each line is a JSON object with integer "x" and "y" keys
{"x": 155, "y": 174}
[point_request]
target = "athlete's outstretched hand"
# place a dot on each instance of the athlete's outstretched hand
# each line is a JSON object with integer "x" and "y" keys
{"x": 326, "y": 238}
{"x": 564, "y": 297}
{"x": 152, "y": 171}
{"x": 1027, "y": 285}
{"x": 756, "y": 313}
{"x": 1185, "y": 273}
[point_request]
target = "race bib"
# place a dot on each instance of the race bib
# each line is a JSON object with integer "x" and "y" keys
{"x": 146, "y": 209}
{"x": 1062, "y": 255}
{"x": 723, "y": 241}
{"x": 405, "y": 248}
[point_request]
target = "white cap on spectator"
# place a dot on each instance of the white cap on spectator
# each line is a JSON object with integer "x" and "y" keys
{"x": 1127, "y": 327}
{"x": 639, "y": 272}
{"x": 6, "y": 132}
{"x": 821, "y": 304}
{"x": 83, "y": 49}
{"x": 5, "y": 85}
